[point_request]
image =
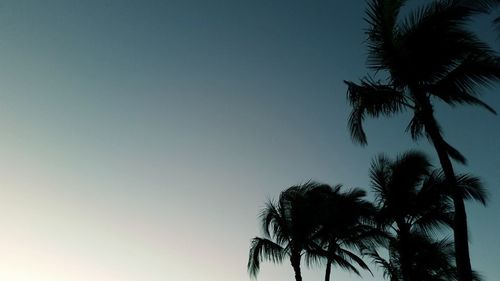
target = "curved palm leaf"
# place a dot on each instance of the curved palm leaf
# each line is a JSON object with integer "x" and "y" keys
{"x": 263, "y": 249}
{"x": 373, "y": 99}
{"x": 382, "y": 17}
{"x": 389, "y": 270}
{"x": 470, "y": 187}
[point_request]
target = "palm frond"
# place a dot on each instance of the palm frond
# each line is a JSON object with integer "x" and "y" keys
{"x": 476, "y": 276}
{"x": 433, "y": 40}
{"x": 433, "y": 259}
{"x": 496, "y": 24}
{"x": 455, "y": 154}
{"x": 344, "y": 264}
{"x": 315, "y": 255}
{"x": 436, "y": 208}
{"x": 464, "y": 98}
{"x": 355, "y": 258}
{"x": 274, "y": 222}
{"x": 380, "y": 174}
{"x": 416, "y": 126}
{"x": 373, "y": 99}
{"x": 472, "y": 188}
{"x": 433, "y": 220}
{"x": 460, "y": 85}
{"x": 390, "y": 271}
{"x": 409, "y": 169}
{"x": 469, "y": 186}
{"x": 262, "y": 249}
{"x": 454, "y": 12}
{"x": 479, "y": 6}
{"x": 382, "y": 17}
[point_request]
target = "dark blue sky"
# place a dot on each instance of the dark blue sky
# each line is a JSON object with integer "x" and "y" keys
{"x": 141, "y": 138}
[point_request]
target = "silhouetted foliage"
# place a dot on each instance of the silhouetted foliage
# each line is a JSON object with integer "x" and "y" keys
{"x": 345, "y": 229}
{"x": 413, "y": 201}
{"x": 288, "y": 227}
{"x": 318, "y": 222}
{"x": 428, "y": 56}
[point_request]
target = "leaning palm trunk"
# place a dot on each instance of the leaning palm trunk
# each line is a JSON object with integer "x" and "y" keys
{"x": 328, "y": 269}
{"x": 460, "y": 217}
{"x": 295, "y": 261}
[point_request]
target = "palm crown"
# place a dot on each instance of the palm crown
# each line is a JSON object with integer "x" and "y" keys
{"x": 316, "y": 221}
{"x": 346, "y": 228}
{"x": 288, "y": 226}
{"x": 413, "y": 201}
{"x": 428, "y": 54}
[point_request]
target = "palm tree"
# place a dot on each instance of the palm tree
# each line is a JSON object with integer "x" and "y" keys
{"x": 413, "y": 200}
{"x": 289, "y": 226}
{"x": 344, "y": 228}
{"x": 316, "y": 221}
{"x": 426, "y": 57}
{"x": 433, "y": 257}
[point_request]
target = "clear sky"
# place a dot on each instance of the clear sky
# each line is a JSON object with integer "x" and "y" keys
{"x": 140, "y": 139}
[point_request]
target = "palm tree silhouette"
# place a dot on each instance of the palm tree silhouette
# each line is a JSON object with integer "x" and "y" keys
{"x": 429, "y": 56}
{"x": 289, "y": 226}
{"x": 413, "y": 200}
{"x": 316, "y": 221}
{"x": 344, "y": 227}
{"x": 434, "y": 258}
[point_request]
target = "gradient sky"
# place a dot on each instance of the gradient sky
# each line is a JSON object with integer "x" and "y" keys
{"x": 140, "y": 139}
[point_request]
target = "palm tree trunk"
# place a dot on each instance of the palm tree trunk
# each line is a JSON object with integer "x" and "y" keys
{"x": 460, "y": 218}
{"x": 295, "y": 261}
{"x": 404, "y": 254}
{"x": 328, "y": 269}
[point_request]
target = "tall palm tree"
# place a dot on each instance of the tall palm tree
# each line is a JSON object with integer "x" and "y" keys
{"x": 426, "y": 57}
{"x": 413, "y": 200}
{"x": 289, "y": 226}
{"x": 344, "y": 229}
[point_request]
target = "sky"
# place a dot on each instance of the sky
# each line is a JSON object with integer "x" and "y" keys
{"x": 139, "y": 140}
